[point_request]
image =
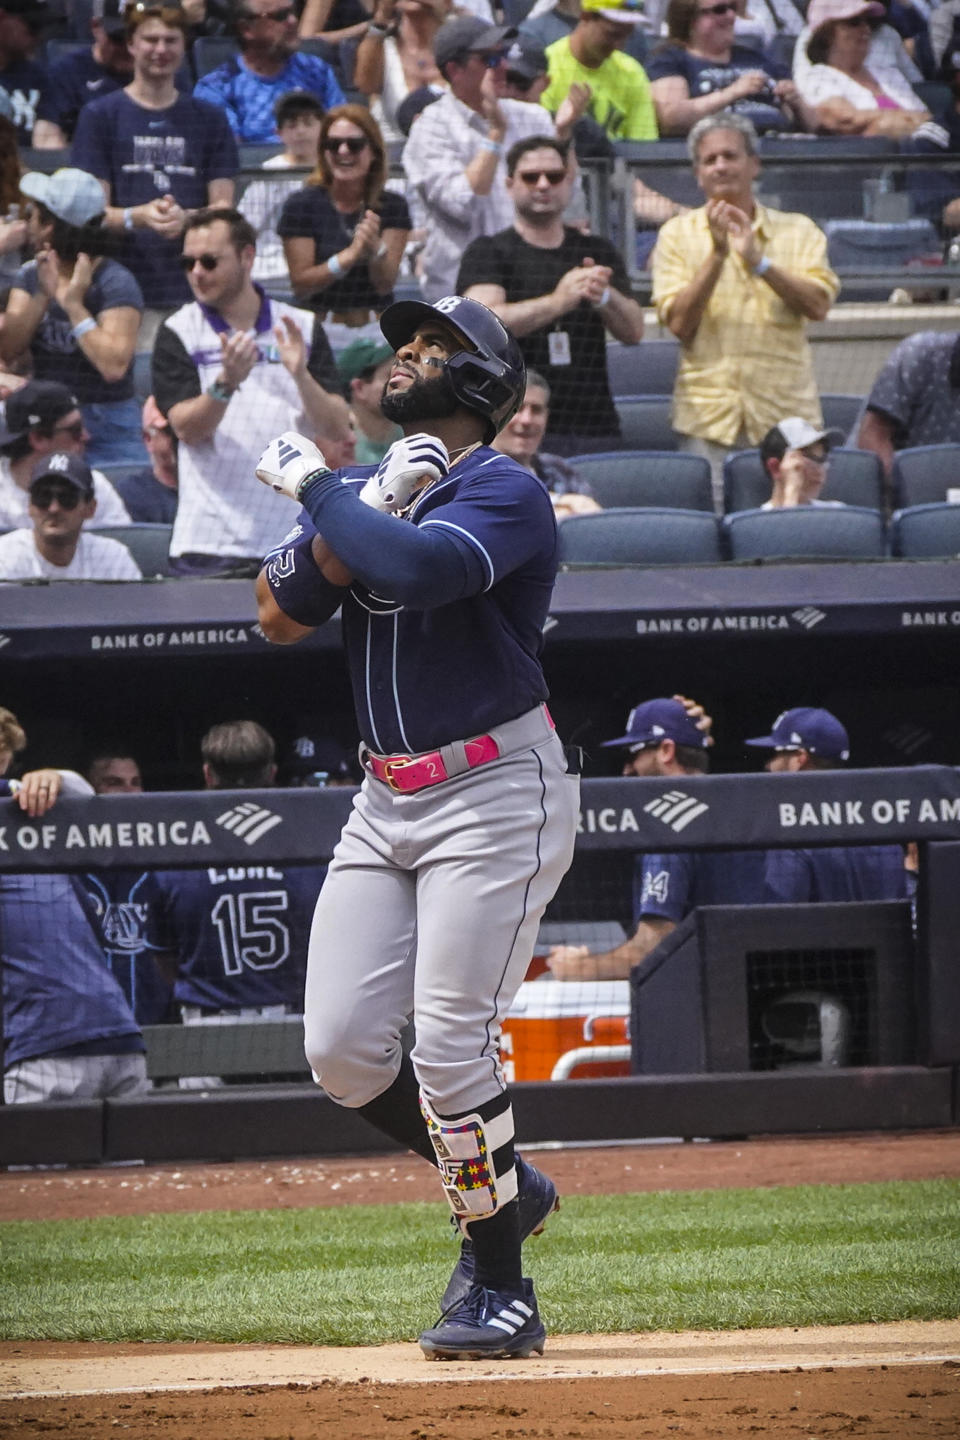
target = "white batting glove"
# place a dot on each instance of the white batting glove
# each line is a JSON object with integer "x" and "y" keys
{"x": 288, "y": 461}
{"x": 409, "y": 461}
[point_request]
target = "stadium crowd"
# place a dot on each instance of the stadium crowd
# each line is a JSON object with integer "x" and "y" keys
{"x": 435, "y": 148}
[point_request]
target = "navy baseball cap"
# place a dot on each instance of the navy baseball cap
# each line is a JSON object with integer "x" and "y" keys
{"x": 806, "y": 728}
{"x": 69, "y": 468}
{"x": 657, "y": 720}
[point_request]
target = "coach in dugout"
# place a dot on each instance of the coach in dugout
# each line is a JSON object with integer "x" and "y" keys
{"x": 68, "y": 1032}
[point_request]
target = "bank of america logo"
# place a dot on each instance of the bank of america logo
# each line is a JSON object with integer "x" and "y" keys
{"x": 676, "y": 809}
{"x": 808, "y": 617}
{"x": 249, "y": 821}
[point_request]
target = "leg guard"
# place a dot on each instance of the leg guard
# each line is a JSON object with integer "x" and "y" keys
{"x": 475, "y": 1158}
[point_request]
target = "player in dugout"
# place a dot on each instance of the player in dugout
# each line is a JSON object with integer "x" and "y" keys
{"x": 443, "y": 559}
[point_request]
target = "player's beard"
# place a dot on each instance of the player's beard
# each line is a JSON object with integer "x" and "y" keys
{"x": 423, "y": 400}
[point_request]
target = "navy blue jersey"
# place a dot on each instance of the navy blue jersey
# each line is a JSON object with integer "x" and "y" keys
{"x": 120, "y": 911}
{"x": 450, "y": 658}
{"x": 57, "y": 992}
{"x": 145, "y": 154}
{"x": 239, "y": 932}
{"x": 670, "y": 886}
{"x": 849, "y": 872}
{"x": 27, "y": 84}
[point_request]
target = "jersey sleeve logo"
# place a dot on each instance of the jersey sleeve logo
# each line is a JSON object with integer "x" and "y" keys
{"x": 656, "y": 887}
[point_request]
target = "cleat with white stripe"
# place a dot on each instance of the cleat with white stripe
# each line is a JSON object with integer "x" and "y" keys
{"x": 487, "y": 1324}
{"x": 537, "y": 1200}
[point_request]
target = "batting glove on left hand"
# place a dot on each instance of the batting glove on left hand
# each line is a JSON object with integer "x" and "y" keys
{"x": 408, "y": 461}
{"x": 288, "y": 461}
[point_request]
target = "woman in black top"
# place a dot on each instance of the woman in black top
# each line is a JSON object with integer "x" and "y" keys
{"x": 343, "y": 233}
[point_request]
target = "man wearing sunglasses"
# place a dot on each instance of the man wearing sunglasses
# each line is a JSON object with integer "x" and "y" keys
{"x": 591, "y": 55}
{"x": 559, "y": 291}
{"x": 38, "y": 419}
{"x": 247, "y": 87}
{"x": 57, "y": 548}
{"x": 454, "y": 157}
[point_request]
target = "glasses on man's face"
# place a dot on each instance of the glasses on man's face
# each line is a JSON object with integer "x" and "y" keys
{"x": 208, "y": 262}
{"x": 819, "y": 457}
{"x": 724, "y": 8}
{"x": 74, "y": 430}
{"x": 66, "y": 496}
{"x": 493, "y": 58}
{"x": 533, "y": 177}
{"x": 354, "y": 143}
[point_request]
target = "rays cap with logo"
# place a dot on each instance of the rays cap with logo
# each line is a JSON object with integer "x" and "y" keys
{"x": 657, "y": 720}
{"x": 72, "y": 195}
{"x": 807, "y": 728}
{"x": 794, "y": 434}
{"x": 319, "y": 760}
{"x": 466, "y": 34}
{"x": 623, "y": 12}
{"x": 68, "y": 468}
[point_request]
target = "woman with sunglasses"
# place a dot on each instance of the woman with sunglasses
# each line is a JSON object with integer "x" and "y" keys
{"x": 700, "y": 69}
{"x": 344, "y": 233}
{"x": 850, "y": 87}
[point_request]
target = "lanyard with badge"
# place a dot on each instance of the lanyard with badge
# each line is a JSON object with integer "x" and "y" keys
{"x": 558, "y": 347}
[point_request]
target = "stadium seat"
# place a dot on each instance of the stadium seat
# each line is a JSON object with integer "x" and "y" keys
{"x": 923, "y": 474}
{"x": 805, "y": 533}
{"x": 855, "y": 477}
{"x": 630, "y": 536}
{"x": 649, "y": 368}
{"x": 840, "y": 412}
{"x": 149, "y": 544}
{"x": 645, "y": 422}
{"x": 209, "y": 51}
{"x": 864, "y": 245}
{"x": 926, "y": 532}
{"x": 936, "y": 95}
{"x": 647, "y": 477}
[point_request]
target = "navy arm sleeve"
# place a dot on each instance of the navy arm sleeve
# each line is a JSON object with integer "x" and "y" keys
{"x": 419, "y": 568}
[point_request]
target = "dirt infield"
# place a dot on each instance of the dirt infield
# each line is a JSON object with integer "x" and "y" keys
{"x": 900, "y": 1381}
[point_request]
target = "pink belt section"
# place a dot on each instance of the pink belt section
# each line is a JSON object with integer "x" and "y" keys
{"x": 408, "y": 773}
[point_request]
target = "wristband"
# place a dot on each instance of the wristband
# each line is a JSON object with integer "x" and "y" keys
{"x": 493, "y": 146}
{"x": 128, "y": 219}
{"x": 598, "y": 304}
{"x": 334, "y": 265}
{"x": 762, "y": 265}
{"x": 382, "y": 250}
{"x": 220, "y": 391}
{"x": 379, "y": 32}
{"x": 83, "y": 327}
{"x": 297, "y": 585}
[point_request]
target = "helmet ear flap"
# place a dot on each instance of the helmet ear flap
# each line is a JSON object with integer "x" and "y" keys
{"x": 483, "y": 384}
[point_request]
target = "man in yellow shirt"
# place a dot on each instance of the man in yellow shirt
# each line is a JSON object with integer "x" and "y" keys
{"x": 736, "y": 283}
{"x": 620, "y": 99}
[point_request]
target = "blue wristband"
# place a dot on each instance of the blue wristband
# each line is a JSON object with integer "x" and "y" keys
{"x": 297, "y": 585}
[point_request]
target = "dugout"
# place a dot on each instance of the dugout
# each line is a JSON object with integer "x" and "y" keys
{"x": 769, "y": 987}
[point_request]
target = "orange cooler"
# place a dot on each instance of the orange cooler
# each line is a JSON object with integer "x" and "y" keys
{"x": 550, "y": 1018}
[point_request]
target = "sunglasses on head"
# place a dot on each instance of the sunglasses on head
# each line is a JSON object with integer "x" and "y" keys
{"x": 66, "y": 496}
{"x": 354, "y": 143}
{"x": 723, "y": 8}
{"x": 187, "y": 262}
{"x": 533, "y": 177}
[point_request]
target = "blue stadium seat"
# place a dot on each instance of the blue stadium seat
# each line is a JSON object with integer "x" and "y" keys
{"x": 883, "y": 245}
{"x": 649, "y": 368}
{"x": 148, "y": 544}
{"x": 209, "y": 51}
{"x": 630, "y": 536}
{"x": 855, "y": 477}
{"x": 645, "y": 422}
{"x": 923, "y": 474}
{"x": 840, "y": 412}
{"x": 805, "y": 533}
{"x": 926, "y": 532}
{"x": 647, "y": 477}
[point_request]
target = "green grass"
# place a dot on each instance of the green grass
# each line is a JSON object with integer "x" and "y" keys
{"x": 364, "y": 1274}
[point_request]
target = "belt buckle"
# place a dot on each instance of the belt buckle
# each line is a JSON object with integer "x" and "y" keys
{"x": 388, "y": 768}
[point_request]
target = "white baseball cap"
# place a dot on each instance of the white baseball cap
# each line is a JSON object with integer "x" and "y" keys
{"x": 72, "y": 195}
{"x": 794, "y": 433}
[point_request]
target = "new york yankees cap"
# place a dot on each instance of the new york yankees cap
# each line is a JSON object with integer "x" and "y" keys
{"x": 807, "y": 728}
{"x": 69, "y": 468}
{"x": 657, "y": 720}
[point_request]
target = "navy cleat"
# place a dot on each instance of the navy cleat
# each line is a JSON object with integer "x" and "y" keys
{"x": 536, "y": 1199}
{"x": 487, "y": 1324}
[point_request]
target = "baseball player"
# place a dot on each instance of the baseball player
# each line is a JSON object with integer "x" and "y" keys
{"x": 443, "y": 560}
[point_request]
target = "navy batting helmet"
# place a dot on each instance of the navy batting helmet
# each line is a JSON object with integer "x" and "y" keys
{"x": 489, "y": 377}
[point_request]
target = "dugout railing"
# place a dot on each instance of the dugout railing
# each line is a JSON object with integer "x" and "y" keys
{"x": 899, "y": 1069}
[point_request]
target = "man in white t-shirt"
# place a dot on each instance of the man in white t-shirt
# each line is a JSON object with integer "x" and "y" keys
{"x": 57, "y": 548}
{"x": 796, "y": 456}
{"x": 38, "y": 419}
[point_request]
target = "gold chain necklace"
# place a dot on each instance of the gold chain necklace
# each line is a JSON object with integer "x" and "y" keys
{"x": 461, "y": 455}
